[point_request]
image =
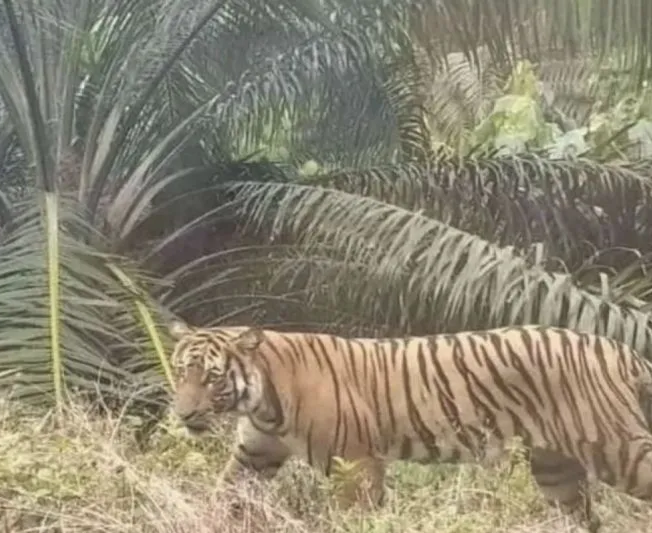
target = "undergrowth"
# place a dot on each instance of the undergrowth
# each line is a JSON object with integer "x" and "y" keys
{"x": 82, "y": 472}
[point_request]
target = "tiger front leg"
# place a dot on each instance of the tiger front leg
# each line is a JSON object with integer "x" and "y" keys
{"x": 254, "y": 453}
{"x": 347, "y": 447}
{"x": 563, "y": 481}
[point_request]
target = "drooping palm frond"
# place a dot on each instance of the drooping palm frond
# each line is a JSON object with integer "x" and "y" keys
{"x": 572, "y": 208}
{"x": 439, "y": 277}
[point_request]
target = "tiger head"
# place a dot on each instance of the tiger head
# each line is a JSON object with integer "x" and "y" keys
{"x": 213, "y": 374}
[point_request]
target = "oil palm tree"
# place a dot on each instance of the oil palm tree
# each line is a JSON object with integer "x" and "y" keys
{"x": 149, "y": 170}
{"x": 118, "y": 119}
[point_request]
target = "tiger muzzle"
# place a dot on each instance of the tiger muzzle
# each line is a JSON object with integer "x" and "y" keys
{"x": 191, "y": 408}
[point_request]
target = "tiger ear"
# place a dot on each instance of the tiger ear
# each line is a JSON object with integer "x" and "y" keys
{"x": 179, "y": 329}
{"x": 249, "y": 340}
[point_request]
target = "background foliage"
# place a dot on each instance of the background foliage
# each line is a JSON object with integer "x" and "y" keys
{"x": 365, "y": 168}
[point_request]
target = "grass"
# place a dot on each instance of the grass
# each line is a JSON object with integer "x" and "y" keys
{"x": 86, "y": 473}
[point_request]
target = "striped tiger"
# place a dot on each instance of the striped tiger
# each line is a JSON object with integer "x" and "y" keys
{"x": 578, "y": 402}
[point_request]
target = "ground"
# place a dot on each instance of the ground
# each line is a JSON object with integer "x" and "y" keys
{"x": 85, "y": 473}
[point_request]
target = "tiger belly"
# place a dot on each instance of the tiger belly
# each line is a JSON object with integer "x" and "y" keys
{"x": 485, "y": 448}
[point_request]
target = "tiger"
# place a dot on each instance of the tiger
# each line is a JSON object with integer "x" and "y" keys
{"x": 578, "y": 402}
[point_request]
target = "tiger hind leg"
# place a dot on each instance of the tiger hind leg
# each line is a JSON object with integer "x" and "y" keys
{"x": 563, "y": 482}
{"x": 628, "y": 468}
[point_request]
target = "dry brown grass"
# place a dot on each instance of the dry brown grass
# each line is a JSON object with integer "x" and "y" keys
{"x": 86, "y": 474}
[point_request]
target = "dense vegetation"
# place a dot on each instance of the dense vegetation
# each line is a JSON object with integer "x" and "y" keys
{"x": 369, "y": 167}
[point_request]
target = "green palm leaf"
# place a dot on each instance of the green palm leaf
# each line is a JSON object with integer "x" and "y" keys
{"x": 83, "y": 336}
{"x": 61, "y": 292}
{"x": 571, "y": 208}
{"x": 104, "y": 79}
{"x": 437, "y": 277}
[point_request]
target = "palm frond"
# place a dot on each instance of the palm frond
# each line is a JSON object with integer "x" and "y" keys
{"x": 535, "y": 29}
{"x": 89, "y": 297}
{"x": 407, "y": 91}
{"x": 460, "y": 94}
{"x": 441, "y": 278}
{"x": 571, "y": 208}
{"x": 570, "y": 88}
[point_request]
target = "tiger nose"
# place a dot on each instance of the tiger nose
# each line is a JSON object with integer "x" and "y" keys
{"x": 186, "y": 408}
